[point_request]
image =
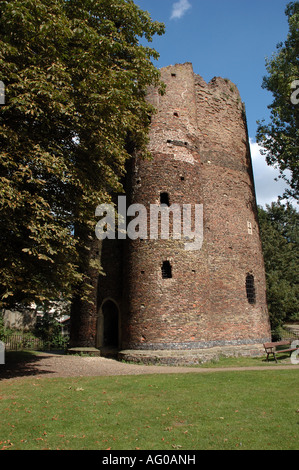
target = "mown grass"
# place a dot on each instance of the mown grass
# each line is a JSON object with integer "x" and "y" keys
{"x": 221, "y": 410}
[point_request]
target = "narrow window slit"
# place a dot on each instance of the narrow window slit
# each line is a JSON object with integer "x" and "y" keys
{"x": 250, "y": 289}
{"x": 166, "y": 270}
{"x": 164, "y": 199}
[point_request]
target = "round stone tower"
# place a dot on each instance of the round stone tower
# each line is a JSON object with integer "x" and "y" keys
{"x": 196, "y": 289}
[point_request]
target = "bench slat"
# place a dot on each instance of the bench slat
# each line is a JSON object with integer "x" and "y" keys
{"x": 285, "y": 350}
{"x": 278, "y": 343}
{"x": 270, "y": 348}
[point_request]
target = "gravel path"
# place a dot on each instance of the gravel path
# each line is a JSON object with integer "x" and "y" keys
{"x": 56, "y": 365}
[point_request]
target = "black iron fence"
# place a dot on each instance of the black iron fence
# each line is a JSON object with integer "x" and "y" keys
{"x": 290, "y": 333}
{"x": 23, "y": 342}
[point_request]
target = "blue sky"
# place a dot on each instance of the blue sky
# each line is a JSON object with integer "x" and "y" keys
{"x": 230, "y": 39}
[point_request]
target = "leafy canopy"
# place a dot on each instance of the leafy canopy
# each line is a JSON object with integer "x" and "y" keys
{"x": 280, "y": 138}
{"x": 75, "y": 75}
{"x": 280, "y": 239}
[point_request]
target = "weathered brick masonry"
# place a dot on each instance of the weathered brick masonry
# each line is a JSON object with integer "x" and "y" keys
{"x": 215, "y": 296}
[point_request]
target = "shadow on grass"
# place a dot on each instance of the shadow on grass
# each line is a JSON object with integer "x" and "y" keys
{"x": 23, "y": 364}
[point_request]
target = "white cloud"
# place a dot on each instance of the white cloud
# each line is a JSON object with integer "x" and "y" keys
{"x": 267, "y": 189}
{"x": 179, "y": 9}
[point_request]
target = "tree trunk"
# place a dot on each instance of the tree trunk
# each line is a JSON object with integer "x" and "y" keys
{"x": 84, "y": 312}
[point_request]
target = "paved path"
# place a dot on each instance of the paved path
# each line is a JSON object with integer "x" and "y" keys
{"x": 56, "y": 365}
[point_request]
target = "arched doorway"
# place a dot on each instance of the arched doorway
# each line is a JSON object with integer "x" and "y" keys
{"x": 109, "y": 324}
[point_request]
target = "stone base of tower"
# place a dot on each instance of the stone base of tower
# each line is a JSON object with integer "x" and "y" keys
{"x": 187, "y": 357}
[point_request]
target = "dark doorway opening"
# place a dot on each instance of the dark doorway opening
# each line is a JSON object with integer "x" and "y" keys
{"x": 110, "y": 314}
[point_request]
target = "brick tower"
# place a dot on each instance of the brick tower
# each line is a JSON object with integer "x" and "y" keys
{"x": 158, "y": 296}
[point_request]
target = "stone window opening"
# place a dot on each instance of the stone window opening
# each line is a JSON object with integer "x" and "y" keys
{"x": 173, "y": 75}
{"x": 250, "y": 289}
{"x": 166, "y": 270}
{"x": 176, "y": 115}
{"x": 249, "y": 228}
{"x": 164, "y": 199}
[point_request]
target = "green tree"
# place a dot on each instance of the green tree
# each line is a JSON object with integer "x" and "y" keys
{"x": 280, "y": 138}
{"x": 48, "y": 329}
{"x": 75, "y": 75}
{"x": 2, "y": 326}
{"x": 280, "y": 239}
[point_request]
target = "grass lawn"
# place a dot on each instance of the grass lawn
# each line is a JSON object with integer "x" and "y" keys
{"x": 221, "y": 410}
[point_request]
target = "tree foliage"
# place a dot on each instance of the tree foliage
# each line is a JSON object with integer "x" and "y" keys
{"x": 75, "y": 75}
{"x": 280, "y": 138}
{"x": 280, "y": 238}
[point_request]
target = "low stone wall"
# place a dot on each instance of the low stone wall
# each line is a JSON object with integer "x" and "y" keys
{"x": 24, "y": 320}
{"x": 190, "y": 357}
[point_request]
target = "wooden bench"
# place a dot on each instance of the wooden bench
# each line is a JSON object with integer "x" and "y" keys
{"x": 271, "y": 348}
